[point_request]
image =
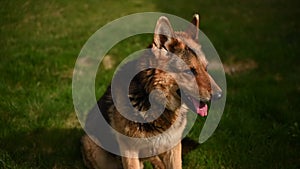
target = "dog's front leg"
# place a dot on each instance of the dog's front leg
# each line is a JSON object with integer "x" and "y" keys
{"x": 172, "y": 158}
{"x": 131, "y": 163}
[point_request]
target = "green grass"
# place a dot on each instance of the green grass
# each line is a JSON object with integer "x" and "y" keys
{"x": 40, "y": 42}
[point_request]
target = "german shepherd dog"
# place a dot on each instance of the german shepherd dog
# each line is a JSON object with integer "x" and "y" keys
{"x": 186, "y": 85}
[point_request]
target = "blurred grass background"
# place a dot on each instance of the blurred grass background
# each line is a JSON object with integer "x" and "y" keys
{"x": 258, "y": 41}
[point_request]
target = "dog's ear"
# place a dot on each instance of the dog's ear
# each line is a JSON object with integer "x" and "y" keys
{"x": 163, "y": 33}
{"x": 192, "y": 30}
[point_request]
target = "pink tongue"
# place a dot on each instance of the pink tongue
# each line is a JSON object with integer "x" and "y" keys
{"x": 202, "y": 110}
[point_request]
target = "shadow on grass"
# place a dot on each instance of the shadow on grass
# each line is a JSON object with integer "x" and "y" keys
{"x": 42, "y": 148}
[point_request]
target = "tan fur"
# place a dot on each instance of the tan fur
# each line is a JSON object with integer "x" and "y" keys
{"x": 95, "y": 157}
{"x": 169, "y": 125}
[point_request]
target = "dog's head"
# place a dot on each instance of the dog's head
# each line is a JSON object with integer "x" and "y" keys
{"x": 187, "y": 77}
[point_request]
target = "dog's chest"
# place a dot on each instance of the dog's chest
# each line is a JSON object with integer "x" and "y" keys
{"x": 162, "y": 142}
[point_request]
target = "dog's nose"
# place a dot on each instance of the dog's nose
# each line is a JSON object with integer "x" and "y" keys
{"x": 217, "y": 95}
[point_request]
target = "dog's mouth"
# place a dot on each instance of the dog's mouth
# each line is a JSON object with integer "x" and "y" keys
{"x": 194, "y": 104}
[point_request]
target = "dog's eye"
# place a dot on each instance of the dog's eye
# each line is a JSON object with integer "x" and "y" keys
{"x": 188, "y": 71}
{"x": 191, "y": 71}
